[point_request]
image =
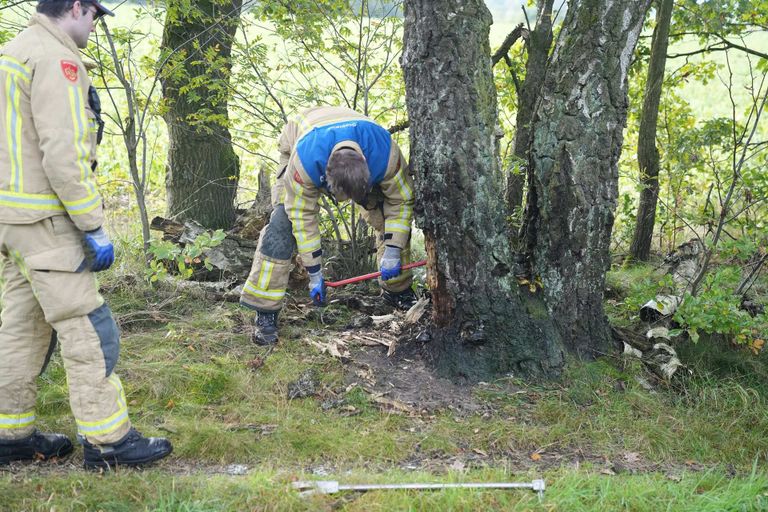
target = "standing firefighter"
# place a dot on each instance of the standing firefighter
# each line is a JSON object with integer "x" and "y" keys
{"x": 50, "y": 216}
{"x": 337, "y": 151}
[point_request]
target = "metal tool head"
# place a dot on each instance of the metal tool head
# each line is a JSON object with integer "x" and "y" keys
{"x": 309, "y": 487}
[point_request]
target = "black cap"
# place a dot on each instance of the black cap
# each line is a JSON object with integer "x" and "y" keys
{"x": 100, "y": 9}
{"x": 103, "y": 11}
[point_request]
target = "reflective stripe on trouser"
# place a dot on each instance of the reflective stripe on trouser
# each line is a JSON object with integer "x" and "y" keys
{"x": 95, "y": 392}
{"x": 375, "y": 219}
{"x": 43, "y": 290}
{"x": 265, "y": 287}
{"x": 24, "y": 341}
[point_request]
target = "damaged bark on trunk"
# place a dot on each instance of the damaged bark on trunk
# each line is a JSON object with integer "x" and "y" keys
{"x": 485, "y": 323}
{"x": 573, "y": 180}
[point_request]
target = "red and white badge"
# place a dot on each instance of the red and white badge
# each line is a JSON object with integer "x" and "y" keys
{"x": 69, "y": 69}
{"x": 297, "y": 178}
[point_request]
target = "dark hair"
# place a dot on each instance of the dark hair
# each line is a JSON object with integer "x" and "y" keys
{"x": 348, "y": 172}
{"x": 58, "y": 8}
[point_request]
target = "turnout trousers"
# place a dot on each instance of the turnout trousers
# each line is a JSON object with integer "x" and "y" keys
{"x": 50, "y": 295}
{"x": 265, "y": 288}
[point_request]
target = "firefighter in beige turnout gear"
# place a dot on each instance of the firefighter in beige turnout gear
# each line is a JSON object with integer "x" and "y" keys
{"x": 50, "y": 217}
{"x": 340, "y": 152}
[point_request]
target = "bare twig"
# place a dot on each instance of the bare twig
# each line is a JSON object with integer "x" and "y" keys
{"x": 518, "y": 32}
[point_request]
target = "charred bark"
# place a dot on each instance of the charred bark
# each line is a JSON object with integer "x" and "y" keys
{"x": 573, "y": 180}
{"x": 485, "y": 323}
{"x": 203, "y": 169}
{"x": 647, "y": 152}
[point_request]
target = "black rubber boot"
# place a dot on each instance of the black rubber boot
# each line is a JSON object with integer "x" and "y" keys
{"x": 132, "y": 450}
{"x": 265, "y": 328}
{"x": 403, "y": 300}
{"x": 38, "y": 446}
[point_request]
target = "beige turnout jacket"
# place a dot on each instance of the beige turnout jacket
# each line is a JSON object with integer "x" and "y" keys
{"x": 47, "y": 130}
{"x": 300, "y": 195}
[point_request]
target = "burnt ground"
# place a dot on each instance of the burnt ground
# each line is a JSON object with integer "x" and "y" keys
{"x": 385, "y": 353}
{"x": 384, "y": 350}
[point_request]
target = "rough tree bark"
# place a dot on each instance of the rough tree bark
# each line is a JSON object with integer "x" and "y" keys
{"x": 485, "y": 323}
{"x": 539, "y": 43}
{"x": 573, "y": 179}
{"x": 647, "y": 152}
{"x": 203, "y": 169}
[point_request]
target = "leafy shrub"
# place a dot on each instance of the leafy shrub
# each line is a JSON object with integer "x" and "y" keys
{"x": 716, "y": 310}
{"x": 170, "y": 256}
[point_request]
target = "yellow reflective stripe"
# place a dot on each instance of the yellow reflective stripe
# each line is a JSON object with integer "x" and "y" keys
{"x": 297, "y": 219}
{"x": 407, "y": 213}
{"x": 15, "y": 67}
{"x": 266, "y": 274}
{"x": 403, "y": 220}
{"x": 402, "y": 223}
{"x": 276, "y": 294}
{"x": 309, "y": 245}
{"x": 261, "y": 290}
{"x": 104, "y": 427}
{"x": 83, "y": 206}
{"x": 82, "y": 201}
{"x": 12, "y": 65}
{"x": 113, "y": 422}
{"x": 405, "y": 189}
{"x": 81, "y": 130}
{"x": 100, "y": 423}
{"x": 17, "y": 139}
{"x": 80, "y": 125}
{"x": 118, "y": 385}
{"x": 45, "y": 202}
{"x": 13, "y": 128}
{"x": 397, "y": 228}
{"x": 21, "y": 420}
{"x": 303, "y": 123}
{"x": 13, "y": 72}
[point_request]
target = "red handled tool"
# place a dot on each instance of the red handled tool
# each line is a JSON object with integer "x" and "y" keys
{"x": 335, "y": 284}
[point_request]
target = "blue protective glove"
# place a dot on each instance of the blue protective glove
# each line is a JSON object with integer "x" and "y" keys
{"x": 317, "y": 288}
{"x": 99, "y": 250}
{"x": 390, "y": 263}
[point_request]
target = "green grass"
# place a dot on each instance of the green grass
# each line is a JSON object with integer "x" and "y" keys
{"x": 188, "y": 369}
{"x": 629, "y": 287}
{"x": 269, "y": 489}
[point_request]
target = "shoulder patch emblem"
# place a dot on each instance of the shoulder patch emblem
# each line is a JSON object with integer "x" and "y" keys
{"x": 297, "y": 178}
{"x": 69, "y": 69}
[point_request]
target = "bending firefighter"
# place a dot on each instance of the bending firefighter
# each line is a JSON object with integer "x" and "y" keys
{"x": 337, "y": 151}
{"x": 52, "y": 242}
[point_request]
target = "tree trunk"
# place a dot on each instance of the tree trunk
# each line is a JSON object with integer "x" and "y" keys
{"x": 535, "y": 70}
{"x": 485, "y": 323}
{"x": 203, "y": 169}
{"x": 647, "y": 152}
{"x": 573, "y": 181}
